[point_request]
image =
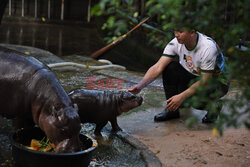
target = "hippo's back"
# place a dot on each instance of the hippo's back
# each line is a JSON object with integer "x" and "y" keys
{"x": 17, "y": 64}
{"x": 91, "y": 98}
{"x": 16, "y": 71}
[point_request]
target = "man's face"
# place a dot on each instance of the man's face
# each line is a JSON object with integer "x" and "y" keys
{"x": 183, "y": 37}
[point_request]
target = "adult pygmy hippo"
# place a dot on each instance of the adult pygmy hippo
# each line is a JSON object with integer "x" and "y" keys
{"x": 31, "y": 93}
{"x": 99, "y": 107}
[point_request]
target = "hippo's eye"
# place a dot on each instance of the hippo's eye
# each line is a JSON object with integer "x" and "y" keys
{"x": 129, "y": 97}
{"x": 133, "y": 97}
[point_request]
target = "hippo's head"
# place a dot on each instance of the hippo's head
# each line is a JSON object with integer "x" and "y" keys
{"x": 128, "y": 101}
{"x": 62, "y": 127}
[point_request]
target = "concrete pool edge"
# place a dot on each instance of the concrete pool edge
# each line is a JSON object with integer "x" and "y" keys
{"x": 148, "y": 156}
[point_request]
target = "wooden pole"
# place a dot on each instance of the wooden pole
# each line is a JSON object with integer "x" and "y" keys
{"x": 35, "y": 8}
{"x": 22, "y": 8}
{"x": 9, "y": 7}
{"x": 89, "y": 7}
{"x": 62, "y": 10}
{"x": 48, "y": 9}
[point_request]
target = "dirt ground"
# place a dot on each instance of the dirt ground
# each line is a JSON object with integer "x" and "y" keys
{"x": 201, "y": 148}
{"x": 178, "y": 146}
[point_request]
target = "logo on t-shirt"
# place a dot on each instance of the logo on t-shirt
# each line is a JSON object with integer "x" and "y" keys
{"x": 197, "y": 71}
{"x": 189, "y": 63}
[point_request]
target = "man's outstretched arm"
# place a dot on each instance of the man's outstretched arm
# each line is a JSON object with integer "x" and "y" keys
{"x": 152, "y": 73}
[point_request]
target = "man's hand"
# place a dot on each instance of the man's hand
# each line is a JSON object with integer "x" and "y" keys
{"x": 174, "y": 102}
{"x": 152, "y": 73}
{"x": 134, "y": 89}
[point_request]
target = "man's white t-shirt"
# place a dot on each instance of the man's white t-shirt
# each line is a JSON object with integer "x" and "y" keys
{"x": 205, "y": 57}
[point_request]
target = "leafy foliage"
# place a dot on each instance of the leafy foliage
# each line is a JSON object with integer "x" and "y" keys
{"x": 226, "y": 21}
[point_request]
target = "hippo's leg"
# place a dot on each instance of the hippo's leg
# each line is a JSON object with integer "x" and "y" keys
{"x": 99, "y": 127}
{"x": 19, "y": 123}
{"x": 114, "y": 124}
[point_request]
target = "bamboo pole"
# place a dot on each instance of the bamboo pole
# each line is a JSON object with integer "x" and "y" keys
{"x": 101, "y": 51}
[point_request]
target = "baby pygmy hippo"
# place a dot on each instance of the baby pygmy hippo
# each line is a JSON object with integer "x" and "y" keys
{"x": 99, "y": 107}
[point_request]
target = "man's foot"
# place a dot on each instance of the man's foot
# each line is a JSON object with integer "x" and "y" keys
{"x": 212, "y": 117}
{"x": 209, "y": 119}
{"x": 167, "y": 115}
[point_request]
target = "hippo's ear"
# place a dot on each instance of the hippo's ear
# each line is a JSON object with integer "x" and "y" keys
{"x": 59, "y": 116}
